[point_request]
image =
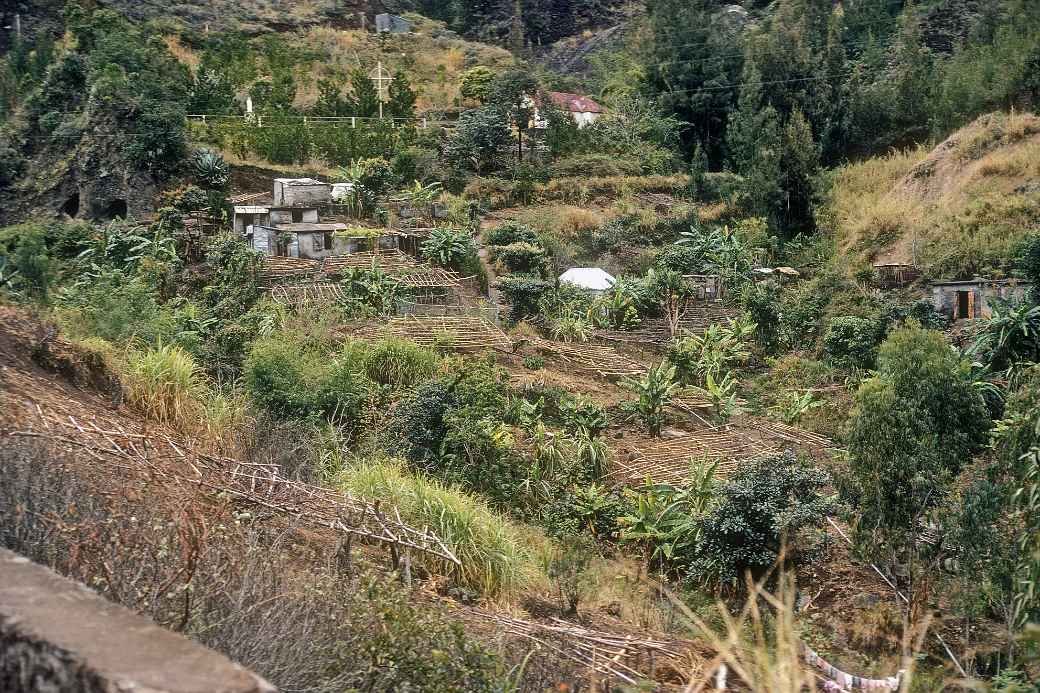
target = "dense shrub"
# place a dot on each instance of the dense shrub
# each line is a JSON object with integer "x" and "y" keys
{"x": 292, "y": 379}
{"x": 509, "y": 233}
{"x": 523, "y": 294}
{"x": 521, "y": 257}
{"x": 770, "y": 505}
{"x": 851, "y": 341}
{"x": 114, "y": 306}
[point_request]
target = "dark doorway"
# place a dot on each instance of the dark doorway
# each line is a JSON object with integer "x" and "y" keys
{"x": 71, "y": 206}
{"x": 116, "y": 209}
{"x": 297, "y": 216}
{"x": 963, "y": 305}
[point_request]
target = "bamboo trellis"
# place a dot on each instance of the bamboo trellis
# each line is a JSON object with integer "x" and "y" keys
{"x": 389, "y": 261}
{"x": 298, "y": 295}
{"x": 695, "y": 318}
{"x": 454, "y": 332}
{"x": 119, "y": 444}
{"x": 603, "y": 360}
{"x": 632, "y": 659}
{"x": 276, "y": 268}
{"x": 430, "y": 278}
{"x": 668, "y": 460}
{"x": 795, "y": 436}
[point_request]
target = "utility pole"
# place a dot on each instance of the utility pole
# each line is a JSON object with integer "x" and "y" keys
{"x": 382, "y": 78}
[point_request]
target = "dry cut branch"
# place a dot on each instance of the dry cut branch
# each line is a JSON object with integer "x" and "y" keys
{"x": 254, "y": 484}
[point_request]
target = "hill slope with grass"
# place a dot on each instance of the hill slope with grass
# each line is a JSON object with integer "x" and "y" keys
{"x": 957, "y": 210}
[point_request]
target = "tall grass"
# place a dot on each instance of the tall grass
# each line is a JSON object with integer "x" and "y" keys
{"x": 761, "y": 645}
{"x": 497, "y": 559}
{"x": 399, "y": 363}
{"x": 168, "y": 387}
{"x": 165, "y": 383}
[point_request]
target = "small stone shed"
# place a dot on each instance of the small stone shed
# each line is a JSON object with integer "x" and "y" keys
{"x": 974, "y": 298}
{"x": 301, "y": 192}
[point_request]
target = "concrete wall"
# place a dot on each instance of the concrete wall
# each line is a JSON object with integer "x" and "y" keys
{"x": 288, "y": 195}
{"x": 343, "y": 245}
{"x": 244, "y": 219}
{"x": 945, "y": 297}
{"x": 284, "y": 216}
{"x": 265, "y": 241}
{"x": 306, "y": 245}
{"x": 57, "y": 636}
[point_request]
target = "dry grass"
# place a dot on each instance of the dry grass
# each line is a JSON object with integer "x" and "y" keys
{"x": 183, "y": 53}
{"x": 957, "y": 210}
{"x": 498, "y": 558}
{"x": 166, "y": 385}
{"x": 434, "y": 65}
{"x": 565, "y": 221}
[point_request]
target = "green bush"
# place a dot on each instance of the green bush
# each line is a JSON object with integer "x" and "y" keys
{"x": 521, "y": 257}
{"x": 281, "y": 378}
{"x": 523, "y": 294}
{"x": 768, "y": 506}
{"x": 114, "y": 306}
{"x": 852, "y": 342}
{"x": 509, "y": 233}
{"x": 295, "y": 380}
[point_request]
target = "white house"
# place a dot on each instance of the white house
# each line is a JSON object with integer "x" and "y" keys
{"x": 583, "y": 110}
{"x": 589, "y": 278}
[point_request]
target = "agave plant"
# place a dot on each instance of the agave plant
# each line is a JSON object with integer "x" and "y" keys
{"x": 571, "y": 329}
{"x": 210, "y": 169}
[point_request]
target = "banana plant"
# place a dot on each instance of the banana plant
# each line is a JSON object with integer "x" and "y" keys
{"x": 722, "y": 394}
{"x": 654, "y": 391}
{"x": 792, "y": 405}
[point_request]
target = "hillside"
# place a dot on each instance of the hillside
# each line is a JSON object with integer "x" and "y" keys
{"x": 957, "y": 210}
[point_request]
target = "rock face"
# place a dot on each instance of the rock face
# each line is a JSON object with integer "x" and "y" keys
{"x": 57, "y": 636}
{"x": 93, "y": 179}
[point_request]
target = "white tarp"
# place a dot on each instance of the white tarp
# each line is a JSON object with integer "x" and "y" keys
{"x": 591, "y": 278}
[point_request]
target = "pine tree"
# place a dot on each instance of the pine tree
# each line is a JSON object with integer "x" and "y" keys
{"x": 763, "y": 174}
{"x": 401, "y": 103}
{"x": 745, "y": 124}
{"x": 516, "y": 29}
{"x": 692, "y": 66}
{"x": 331, "y": 101}
{"x": 365, "y": 94}
{"x": 799, "y": 163}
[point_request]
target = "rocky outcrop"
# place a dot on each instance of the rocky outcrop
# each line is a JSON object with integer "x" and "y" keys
{"x": 57, "y": 636}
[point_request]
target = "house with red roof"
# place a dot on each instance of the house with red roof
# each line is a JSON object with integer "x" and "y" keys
{"x": 584, "y": 110}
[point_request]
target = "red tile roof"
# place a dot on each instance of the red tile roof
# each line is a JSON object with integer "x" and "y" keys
{"x": 575, "y": 103}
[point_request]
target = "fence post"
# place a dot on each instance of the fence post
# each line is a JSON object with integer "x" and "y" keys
{"x": 353, "y": 123}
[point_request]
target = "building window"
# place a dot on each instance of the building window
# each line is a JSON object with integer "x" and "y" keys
{"x": 318, "y": 242}
{"x": 297, "y": 216}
